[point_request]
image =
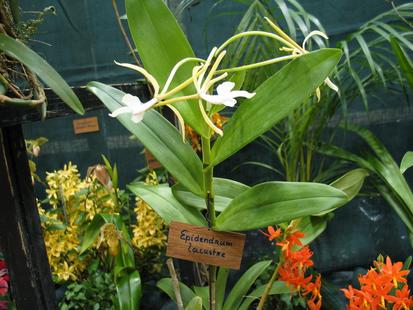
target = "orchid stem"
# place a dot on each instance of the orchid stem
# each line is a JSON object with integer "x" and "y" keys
{"x": 258, "y": 64}
{"x": 264, "y": 296}
{"x": 255, "y": 33}
{"x": 209, "y": 199}
{"x": 177, "y": 99}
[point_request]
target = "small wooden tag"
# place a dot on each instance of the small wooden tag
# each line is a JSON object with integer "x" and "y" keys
{"x": 84, "y": 125}
{"x": 204, "y": 245}
{"x": 151, "y": 161}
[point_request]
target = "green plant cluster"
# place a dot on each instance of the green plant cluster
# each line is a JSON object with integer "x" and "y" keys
{"x": 96, "y": 292}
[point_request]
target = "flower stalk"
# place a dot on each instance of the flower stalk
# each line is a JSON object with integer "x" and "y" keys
{"x": 209, "y": 200}
{"x": 268, "y": 287}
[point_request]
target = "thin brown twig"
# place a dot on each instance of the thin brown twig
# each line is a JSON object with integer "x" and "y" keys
{"x": 128, "y": 43}
{"x": 175, "y": 283}
{"x": 125, "y": 36}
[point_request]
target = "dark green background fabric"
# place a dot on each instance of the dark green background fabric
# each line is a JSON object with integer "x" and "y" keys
{"x": 84, "y": 49}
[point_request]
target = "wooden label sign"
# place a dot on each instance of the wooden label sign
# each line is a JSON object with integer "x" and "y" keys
{"x": 84, "y": 125}
{"x": 204, "y": 245}
{"x": 151, "y": 161}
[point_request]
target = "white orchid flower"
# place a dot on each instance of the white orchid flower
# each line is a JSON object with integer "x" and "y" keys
{"x": 134, "y": 106}
{"x": 225, "y": 95}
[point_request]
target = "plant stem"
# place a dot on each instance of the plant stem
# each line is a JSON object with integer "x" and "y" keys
{"x": 264, "y": 296}
{"x": 209, "y": 199}
{"x": 125, "y": 36}
{"x": 175, "y": 283}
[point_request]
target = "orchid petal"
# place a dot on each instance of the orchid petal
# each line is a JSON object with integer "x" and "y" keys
{"x": 242, "y": 93}
{"x": 207, "y": 63}
{"x": 195, "y": 71}
{"x": 318, "y": 94}
{"x": 225, "y": 88}
{"x": 214, "y": 99}
{"x": 136, "y": 118}
{"x": 120, "y": 111}
{"x": 312, "y": 34}
{"x": 229, "y": 102}
{"x": 180, "y": 119}
{"x": 151, "y": 79}
{"x": 130, "y": 100}
{"x": 175, "y": 69}
{"x": 214, "y": 68}
{"x": 215, "y": 80}
{"x": 208, "y": 120}
{"x": 331, "y": 85}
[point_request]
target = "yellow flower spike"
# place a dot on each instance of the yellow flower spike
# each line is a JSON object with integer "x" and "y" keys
{"x": 145, "y": 73}
{"x": 208, "y": 120}
{"x": 180, "y": 119}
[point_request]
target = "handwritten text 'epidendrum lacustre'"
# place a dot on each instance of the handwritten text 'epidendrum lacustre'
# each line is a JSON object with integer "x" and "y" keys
{"x": 196, "y": 244}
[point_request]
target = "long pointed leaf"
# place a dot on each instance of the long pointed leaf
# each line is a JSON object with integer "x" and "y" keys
{"x": 278, "y": 202}
{"x": 187, "y": 294}
{"x": 407, "y": 162}
{"x": 195, "y": 304}
{"x": 244, "y": 284}
{"x": 129, "y": 291}
{"x": 404, "y": 61}
{"x": 39, "y": 66}
{"x": 224, "y": 189}
{"x": 221, "y": 286}
{"x": 351, "y": 182}
{"x": 278, "y": 287}
{"x": 160, "y": 199}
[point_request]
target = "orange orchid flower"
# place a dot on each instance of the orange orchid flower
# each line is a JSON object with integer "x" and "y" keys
{"x": 402, "y": 300}
{"x": 377, "y": 288}
{"x": 272, "y": 233}
{"x": 394, "y": 271}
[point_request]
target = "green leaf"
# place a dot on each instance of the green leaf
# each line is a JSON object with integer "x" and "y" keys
{"x": 221, "y": 286}
{"x": 92, "y": 232}
{"x": 161, "y": 43}
{"x": 366, "y": 50}
{"x": 38, "y": 65}
{"x": 160, "y": 199}
{"x": 407, "y": 162}
{"x": 195, "y": 304}
{"x": 160, "y": 137}
{"x": 244, "y": 284}
{"x": 312, "y": 227}
{"x": 225, "y": 190}
{"x": 203, "y": 293}
{"x": 351, "y": 182}
{"x": 404, "y": 60}
{"x": 272, "y": 203}
{"x": 278, "y": 287}
{"x": 276, "y": 98}
{"x": 129, "y": 290}
{"x": 187, "y": 294}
